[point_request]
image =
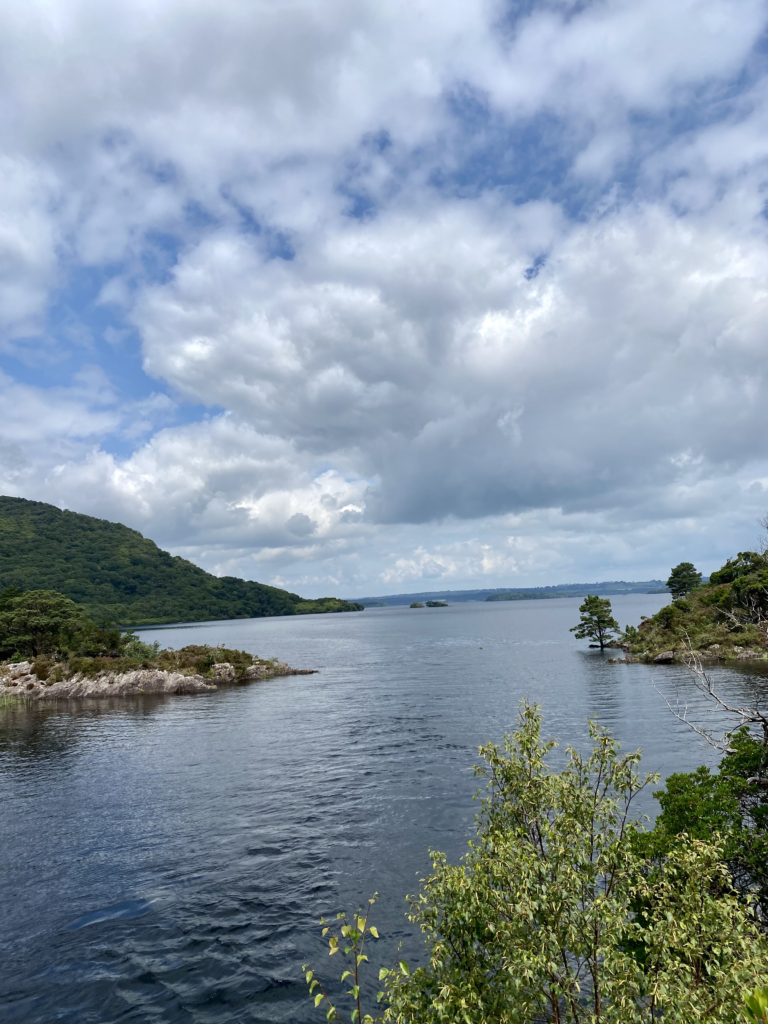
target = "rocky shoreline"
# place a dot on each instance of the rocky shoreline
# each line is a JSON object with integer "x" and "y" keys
{"x": 681, "y": 655}
{"x": 20, "y": 681}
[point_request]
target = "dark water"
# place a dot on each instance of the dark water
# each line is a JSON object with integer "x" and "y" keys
{"x": 167, "y": 859}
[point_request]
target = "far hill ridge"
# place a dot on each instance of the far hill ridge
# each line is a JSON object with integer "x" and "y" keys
{"x": 612, "y": 588}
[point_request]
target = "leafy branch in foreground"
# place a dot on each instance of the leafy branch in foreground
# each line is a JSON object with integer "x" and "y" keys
{"x": 756, "y": 1006}
{"x": 732, "y": 801}
{"x": 349, "y": 940}
{"x": 554, "y": 916}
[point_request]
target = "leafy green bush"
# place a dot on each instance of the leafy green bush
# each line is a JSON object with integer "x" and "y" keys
{"x": 552, "y": 915}
{"x": 729, "y": 802}
{"x": 756, "y": 1006}
{"x": 132, "y": 647}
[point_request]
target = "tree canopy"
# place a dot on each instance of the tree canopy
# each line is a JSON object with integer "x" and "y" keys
{"x": 722, "y": 617}
{"x": 45, "y": 623}
{"x": 683, "y": 578}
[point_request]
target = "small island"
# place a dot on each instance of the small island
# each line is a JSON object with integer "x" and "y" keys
{"x": 437, "y": 604}
{"x": 416, "y": 604}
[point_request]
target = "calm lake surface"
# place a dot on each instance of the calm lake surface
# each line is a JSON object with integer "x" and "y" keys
{"x": 167, "y": 859}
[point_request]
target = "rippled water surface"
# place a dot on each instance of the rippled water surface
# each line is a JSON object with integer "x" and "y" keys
{"x": 167, "y": 859}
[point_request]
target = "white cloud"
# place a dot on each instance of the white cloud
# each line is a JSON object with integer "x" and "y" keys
{"x": 416, "y": 345}
{"x": 462, "y": 350}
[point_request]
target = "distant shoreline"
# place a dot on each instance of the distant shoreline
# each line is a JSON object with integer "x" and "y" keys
{"x": 610, "y": 588}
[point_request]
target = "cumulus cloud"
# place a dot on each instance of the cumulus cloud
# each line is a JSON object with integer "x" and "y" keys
{"x": 418, "y": 345}
{"x": 397, "y": 273}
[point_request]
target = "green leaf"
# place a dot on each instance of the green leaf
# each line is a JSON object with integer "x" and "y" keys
{"x": 374, "y": 932}
{"x": 309, "y": 976}
{"x": 361, "y": 924}
{"x": 318, "y": 999}
{"x": 345, "y": 975}
{"x": 404, "y": 968}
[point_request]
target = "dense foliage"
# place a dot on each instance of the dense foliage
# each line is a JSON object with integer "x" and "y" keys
{"x": 119, "y": 576}
{"x": 732, "y": 802}
{"x": 597, "y": 622}
{"x": 554, "y": 915}
{"x": 44, "y": 623}
{"x": 683, "y": 578}
{"x": 56, "y": 634}
{"x": 724, "y": 618}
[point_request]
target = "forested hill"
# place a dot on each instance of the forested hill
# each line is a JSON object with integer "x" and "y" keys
{"x": 117, "y": 574}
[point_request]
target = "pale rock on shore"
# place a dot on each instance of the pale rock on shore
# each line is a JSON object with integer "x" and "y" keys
{"x": 20, "y": 681}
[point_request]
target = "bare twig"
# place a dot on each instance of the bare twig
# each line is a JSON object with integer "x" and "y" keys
{"x": 745, "y": 716}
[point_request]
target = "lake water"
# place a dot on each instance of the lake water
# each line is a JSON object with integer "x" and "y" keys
{"x": 167, "y": 859}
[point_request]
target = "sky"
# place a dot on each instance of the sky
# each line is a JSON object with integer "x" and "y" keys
{"x": 358, "y": 297}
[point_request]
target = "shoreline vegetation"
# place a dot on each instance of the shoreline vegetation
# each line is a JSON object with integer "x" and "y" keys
{"x": 193, "y": 669}
{"x": 52, "y": 650}
{"x": 725, "y": 619}
{"x": 117, "y": 575}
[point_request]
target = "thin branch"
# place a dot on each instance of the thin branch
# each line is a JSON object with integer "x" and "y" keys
{"x": 746, "y": 716}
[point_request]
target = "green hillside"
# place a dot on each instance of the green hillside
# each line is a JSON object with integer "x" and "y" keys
{"x": 117, "y": 574}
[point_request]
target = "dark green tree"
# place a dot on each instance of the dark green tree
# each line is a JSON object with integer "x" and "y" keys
{"x": 45, "y": 623}
{"x": 597, "y": 621}
{"x": 732, "y": 802}
{"x": 7, "y": 595}
{"x": 683, "y": 579}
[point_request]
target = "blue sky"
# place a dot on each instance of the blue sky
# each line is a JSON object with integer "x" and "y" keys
{"x": 356, "y": 297}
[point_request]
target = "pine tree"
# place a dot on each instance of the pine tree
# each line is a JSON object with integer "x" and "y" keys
{"x": 683, "y": 579}
{"x": 597, "y": 621}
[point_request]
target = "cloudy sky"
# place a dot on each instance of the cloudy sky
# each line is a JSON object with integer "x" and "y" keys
{"x": 360, "y": 297}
